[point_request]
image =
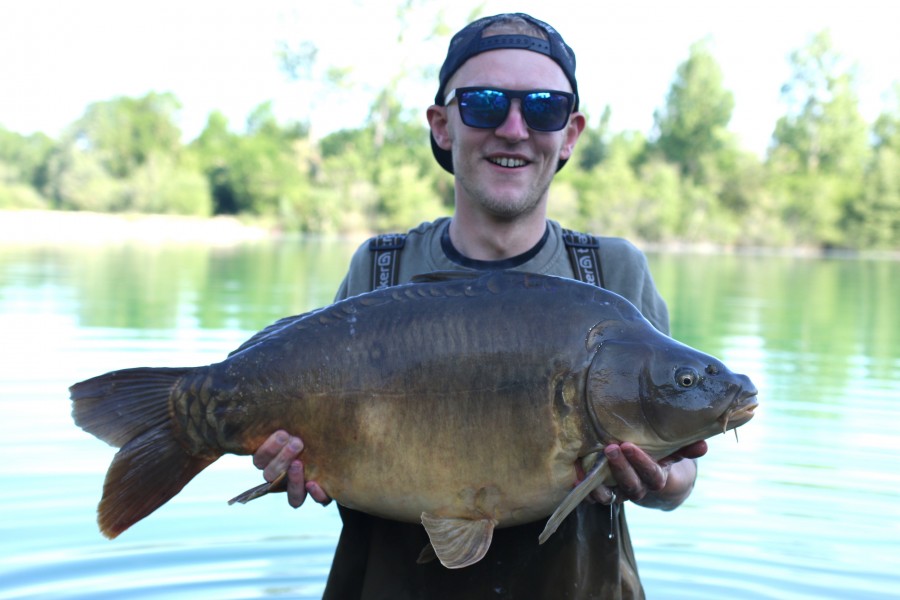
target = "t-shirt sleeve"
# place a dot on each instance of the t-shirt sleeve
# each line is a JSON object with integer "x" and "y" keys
{"x": 359, "y": 277}
{"x": 626, "y": 272}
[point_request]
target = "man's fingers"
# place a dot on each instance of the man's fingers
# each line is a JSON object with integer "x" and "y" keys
{"x": 650, "y": 475}
{"x": 283, "y": 459}
{"x": 296, "y": 487}
{"x": 603, "y": 495}
{"x": 695, "y": 450}
{"x": 317, "y": 493}
{"x": 269, "y": 449}
{"x": 634, "y": 471}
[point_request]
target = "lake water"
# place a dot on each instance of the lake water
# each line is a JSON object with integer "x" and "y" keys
{"x": 806, "y": 504}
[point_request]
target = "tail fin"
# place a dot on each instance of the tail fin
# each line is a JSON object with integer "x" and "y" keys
{"x": 130, "y": 409}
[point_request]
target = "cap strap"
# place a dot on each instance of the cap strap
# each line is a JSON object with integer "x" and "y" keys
{"x": 517, "y": 42}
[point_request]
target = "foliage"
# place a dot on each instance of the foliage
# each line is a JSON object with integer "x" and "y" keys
{"x": 692, "y": 126}
{"x": 124, "y": 133}
{"x": 874, "y": 220}
{"x": 821, "y": 148}
{"x": 23, "y": 163}
{"x": 828, "y": 179}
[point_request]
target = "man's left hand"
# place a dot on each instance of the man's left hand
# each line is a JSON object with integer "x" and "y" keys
{"x": 664, "y": 484}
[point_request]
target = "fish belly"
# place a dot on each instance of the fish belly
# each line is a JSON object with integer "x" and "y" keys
{"x": 451, "y": 457}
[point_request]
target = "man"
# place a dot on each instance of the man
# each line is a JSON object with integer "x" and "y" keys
{"x": 505, "y": 120}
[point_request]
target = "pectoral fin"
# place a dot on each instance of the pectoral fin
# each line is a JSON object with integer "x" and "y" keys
{"x": 459, "y": 542}
{"x": 591, "y": 481}
{"x": 279, "y": 484}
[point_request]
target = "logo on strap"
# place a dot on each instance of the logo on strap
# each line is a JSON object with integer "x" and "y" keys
{"x": 386, "y": 264}
{"x": 584, "y": 254}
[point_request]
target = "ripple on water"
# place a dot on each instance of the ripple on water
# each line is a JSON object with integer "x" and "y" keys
{"x": 286, "y": 567}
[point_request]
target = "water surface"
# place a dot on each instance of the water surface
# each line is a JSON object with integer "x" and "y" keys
{"x": 803, "y": 505}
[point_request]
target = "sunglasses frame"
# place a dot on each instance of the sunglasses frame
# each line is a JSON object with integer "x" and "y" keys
{"x": 456, "y": 93}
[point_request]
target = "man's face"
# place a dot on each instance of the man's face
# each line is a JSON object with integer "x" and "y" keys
{"x": 506, "y": 171}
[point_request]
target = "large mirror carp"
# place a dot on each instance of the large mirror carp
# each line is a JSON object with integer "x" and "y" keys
{"x": 462, "y": 401}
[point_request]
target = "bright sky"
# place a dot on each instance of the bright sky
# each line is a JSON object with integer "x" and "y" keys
{"x": 58, "y": 56}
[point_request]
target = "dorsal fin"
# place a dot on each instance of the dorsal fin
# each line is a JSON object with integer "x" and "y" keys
{"x": 264, "y": 333}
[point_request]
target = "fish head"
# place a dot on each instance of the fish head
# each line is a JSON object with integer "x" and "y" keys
{"x": 646, "y": 388}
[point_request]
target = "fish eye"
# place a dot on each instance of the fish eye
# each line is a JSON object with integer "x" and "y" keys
{"x": 686, "y": 377}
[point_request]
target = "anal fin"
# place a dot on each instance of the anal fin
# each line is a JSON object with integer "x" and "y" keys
{"x": 459, "y": 542}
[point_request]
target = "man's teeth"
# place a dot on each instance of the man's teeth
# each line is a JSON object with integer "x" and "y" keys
{"x": 509, "y": 162}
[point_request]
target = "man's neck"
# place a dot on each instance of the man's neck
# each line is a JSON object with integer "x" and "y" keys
{"x": 485, "y": 239}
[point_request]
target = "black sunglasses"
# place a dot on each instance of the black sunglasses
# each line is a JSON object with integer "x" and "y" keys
{"x": 487, "y": 108}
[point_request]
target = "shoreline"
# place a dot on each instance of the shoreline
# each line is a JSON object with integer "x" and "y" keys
{"x": 54, "y": 227}
{"x": 43, "y": 227}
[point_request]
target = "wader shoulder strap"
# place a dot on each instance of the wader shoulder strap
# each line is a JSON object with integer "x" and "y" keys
{"x": 584, "y": 254}
{"x": 386, "y": 258}
{"x": 583, "y": 249}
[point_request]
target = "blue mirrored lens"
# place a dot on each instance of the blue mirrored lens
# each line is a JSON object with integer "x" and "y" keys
{"x": 545, "y": 111}
{"x": 485, "y": 109}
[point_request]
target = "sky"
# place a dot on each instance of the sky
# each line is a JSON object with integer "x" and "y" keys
{"x": 58, "y": 56}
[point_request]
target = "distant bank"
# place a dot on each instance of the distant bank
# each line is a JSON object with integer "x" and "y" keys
{"x": 47, "y": 226}
{"x": 52, "y": 226}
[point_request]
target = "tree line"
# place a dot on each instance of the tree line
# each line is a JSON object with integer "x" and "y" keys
{"x": 829, "y": 179}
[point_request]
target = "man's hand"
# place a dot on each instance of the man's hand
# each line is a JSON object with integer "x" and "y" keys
{"x": 280, "y": 453}
{"x": 663, "y": 484}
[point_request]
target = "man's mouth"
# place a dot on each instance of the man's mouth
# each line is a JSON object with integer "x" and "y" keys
{"x": 508, "y": 163}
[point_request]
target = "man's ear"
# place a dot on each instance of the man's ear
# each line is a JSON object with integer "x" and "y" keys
{"x": 437, "y": 120}
{"x": 573, "y": 130}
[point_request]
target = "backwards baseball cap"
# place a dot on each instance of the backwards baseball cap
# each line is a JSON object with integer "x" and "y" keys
{"x": 471, "y": 40}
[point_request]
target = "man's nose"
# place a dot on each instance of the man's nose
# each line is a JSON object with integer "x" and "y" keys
{"x": 514, "y": 126}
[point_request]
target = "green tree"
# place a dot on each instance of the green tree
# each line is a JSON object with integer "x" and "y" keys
{"x": 874, "y": 220}
{"x": 212, "y": 151}
{"x": 692, "y": 127}
{"x": 163, "y": 186}
{"x": 123, "y": 133}
{"x": 401, "y": 157}
{"x": 77, "y": 180}
{"x": 593, "y": 145}
{"x": 381, "y": 176}
{"x": 820, "y": 147}
{"x": 23, "y": 169}
{"x": 609, "y": 193}
{"x": 126, "y": 155}
{"x": 719, "y": 184}
{"x": 264, "y": 172}
{"x": 887, "y": 126}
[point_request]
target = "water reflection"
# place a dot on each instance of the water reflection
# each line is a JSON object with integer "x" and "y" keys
{"x": 803, "y": 505}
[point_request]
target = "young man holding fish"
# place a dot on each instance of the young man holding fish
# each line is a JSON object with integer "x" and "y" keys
{"x": 505, "y": 120}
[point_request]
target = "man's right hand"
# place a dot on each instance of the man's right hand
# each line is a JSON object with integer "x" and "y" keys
{"x": 280, "y": 453}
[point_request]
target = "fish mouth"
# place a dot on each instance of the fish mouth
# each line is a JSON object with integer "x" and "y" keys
{"x": 740, "y": 410}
